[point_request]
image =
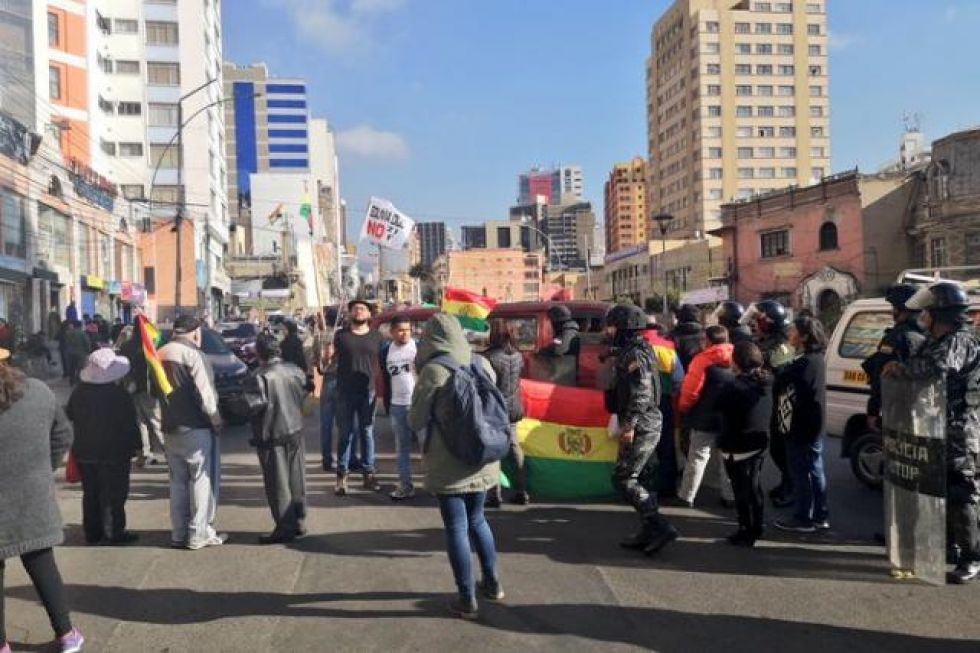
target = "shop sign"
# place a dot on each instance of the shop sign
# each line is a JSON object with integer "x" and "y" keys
{"x": 92, "y": 186}
{"x": 93, "y": 282}
{"x": 115, "y": 287}
{"x": 126, "y": 291}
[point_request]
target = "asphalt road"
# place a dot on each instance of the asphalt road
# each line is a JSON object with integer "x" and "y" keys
{"x": 373, "y": 576}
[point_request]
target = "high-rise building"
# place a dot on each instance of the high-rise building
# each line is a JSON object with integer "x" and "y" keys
{"x": 558, "y": 185}
{"x": 17, "y": 60}
{"x": 626, "y": 216}
{"x": 737, "y": 97}
{"x": 473, "y": 237}
{"x": 432, "y": 241}
{"x": 570, "y": 230}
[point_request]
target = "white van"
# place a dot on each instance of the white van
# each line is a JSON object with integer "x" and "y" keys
{"x": 854, "y": 339}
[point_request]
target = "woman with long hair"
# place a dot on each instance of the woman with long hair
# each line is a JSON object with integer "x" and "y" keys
{"x": 507, "y": 363}
{"x": 34, "y": 436}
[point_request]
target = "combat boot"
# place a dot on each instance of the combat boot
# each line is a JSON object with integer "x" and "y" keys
{"x": 341, "y": 489}
{"x": 641, "y": 538}
{"x": 371, "y": 482}
{"x": 661, "y": 538}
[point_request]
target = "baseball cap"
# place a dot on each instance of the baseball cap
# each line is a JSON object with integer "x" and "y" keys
{"x": 186, "y": 324}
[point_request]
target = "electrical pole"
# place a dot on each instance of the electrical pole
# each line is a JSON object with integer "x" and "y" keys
{"x": 178, "y": 274}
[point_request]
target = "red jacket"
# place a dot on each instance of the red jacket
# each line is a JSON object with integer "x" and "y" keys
{"x": 694, "y": 380}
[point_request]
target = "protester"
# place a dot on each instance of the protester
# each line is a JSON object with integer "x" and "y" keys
{"x": 328, "y": 404}
{"x": 729, "y": 315}
{"x": 71, "y": 311}
{"x": 663, "y": 471}
{"x": 147, "y": 404}
{"x": 698, "y": 412}
{"x": 460, "y": 488}
{"x": 191, "y": 425}
{"x": 116, "y": 330}
{"x": 566, "y": 346}
{"x": 687, "y": 333}
{"x": 507, "y": 363}
{"x": 54, "y": 323}
{"x": 398, "y": 372}
{"x": 292, "y": 347}
{"x": 770, "y": 321}
{"x": 61, "y": 335}
{"x": 91, "y": 330}
{"x": 799, "y": 407}
{"x": 952, "y": 352}
{"x": 106, "y": 439}
{"x": 34, "y": 436}
{"x": 745, "y": 405}
{"x": 357, "y": 349}
{"x": 278, "y": 388}
{"x": 77, "y": 347}
{"x": 633, "y": 398}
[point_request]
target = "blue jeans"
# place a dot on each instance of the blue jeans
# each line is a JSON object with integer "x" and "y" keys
{"x": 328, "y": 413}
{"x": 806, "y": 469}
{"x": 403, "y": 443}
{"x": 355, "y": 415}
{"x": 462, "y": 515}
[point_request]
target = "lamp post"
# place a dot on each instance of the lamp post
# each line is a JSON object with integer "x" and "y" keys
{"x": 526, "y": 221}
{"x": 663, "y": 221}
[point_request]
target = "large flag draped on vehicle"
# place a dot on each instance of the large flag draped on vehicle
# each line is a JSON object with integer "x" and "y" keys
{"x": 568, "y": 453}
{"x": 150, "y": 338}
{"x": 469, "y": 308}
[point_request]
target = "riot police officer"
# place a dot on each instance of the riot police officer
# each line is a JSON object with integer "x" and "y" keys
{"x": 634, "y": 397}
{"x": 728, "y": 314}
{"x": 952, "y": 352}
{"x": 898, "y": 344}
{"x": 771, "y": 325}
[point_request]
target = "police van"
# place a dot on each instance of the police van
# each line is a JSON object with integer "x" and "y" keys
{"x": 856, "y": 337}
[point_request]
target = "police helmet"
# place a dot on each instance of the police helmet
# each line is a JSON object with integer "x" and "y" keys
{"x": 626, "y": 317}
{"x": 686, "y": 313}
{"x": 942, "y": 295}
{"x": 899, "y": 294}
{"x": 729, "y": 313}
{"x": 773, "y": 311}
{"x": 559, "y": 313}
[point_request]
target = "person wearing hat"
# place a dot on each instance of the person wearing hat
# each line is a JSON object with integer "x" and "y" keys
{"x": 566, "y": 346}
{"x": 687, "y": 333}
{"x": 357, "y": 349}
{"x": 191, "y": 424}
{"x": 106, "y": 438}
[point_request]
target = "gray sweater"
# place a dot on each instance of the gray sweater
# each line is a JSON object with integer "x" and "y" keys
{"x": 34, "y": 436}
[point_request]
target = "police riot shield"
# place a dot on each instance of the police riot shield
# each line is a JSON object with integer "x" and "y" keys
{"x": 913, "y": 415}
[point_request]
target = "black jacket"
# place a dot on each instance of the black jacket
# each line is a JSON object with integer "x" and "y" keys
{"x": 898, "y": 344}
{"x": 687, "y": 338}
{"x": 567, "y": 341}
{"x": 105, "y": 423}
{"x": 292, "y": 352}
{"x": 745, "y": 405}
{"x": 740, "y": 333}
{"x": 800, "y": 399}
{"x": 705, "y": 416}
{"x": 281, "y": 388}
{"x": 508, "y": 368}
{"x": 138, "y": 371}
{"x": 635, "y": 394}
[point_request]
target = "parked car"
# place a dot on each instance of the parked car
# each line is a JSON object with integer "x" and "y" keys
{"x": 855, "y": 338}
{"x": 237, "y": 335}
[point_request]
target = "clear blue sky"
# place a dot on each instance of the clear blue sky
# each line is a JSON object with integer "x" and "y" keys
{"x": 438, "y": 104}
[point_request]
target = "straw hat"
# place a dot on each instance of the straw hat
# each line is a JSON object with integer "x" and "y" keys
{"x": 104, "y": 366}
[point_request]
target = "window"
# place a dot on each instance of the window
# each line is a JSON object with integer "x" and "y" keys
{"x": 864, "y": 333}
{"x": 786, "y": 70}
{"x": 763, "y": 28}
{"x": 132, "y": 191}
{"x": 713, "y": 132}
{"x": 107, "y": 147}
{"x": 712, "y": 69}
{"x": 816, "y": 111}
{"x": 503, "y": 237}
{"x": 816, "y": 132}
{"x": 767, "y": 173}
{"x": 741, "y": 28}
{"x": 816, "y": 152}
{"x": 816, "y": 91}
{"x": 763, "y": 6}
{"x": 763, "y": 69}
{"x": 743, "y": 48}
{"x": 711, "y": 26}
{"x": 743, "y": 111}
{"x": 714, "y": 173}
{"x": 784, "y": 48}
{"x": 813, "y": 29}
{"x": 743, "y": 89}
{"x": 713, "y": 89}
{"x": 163, "y": 157}
{"x": 714, "y": 153}
{"x": 765, "y": 111}
{"x": 775, "y": 243}
{"x": 13, "y": 224}
{"x": 162, "y": 115}
{"x": 131, "y": 149}
{"x": 766, "y": 132}
{"x": 54, "y": 82}
{"x": 816, "y": 173}
{"x": 814, "y": 8}
{"x": 784, "y": 28}
{"x": 127, "y": 67}
{"x": 129, "y": 108}
{"x": 714, "y": 111}
{"x": 714, "y": 194}
{"x": 787, "y": 112}
{"x": 937, "y": 252}
{"x": 161, "y": 33}
{"x": 712, "y": 48}
{"x": 787, "y": 132}
{"x": 828, "y": 236}
{"x": 746, "y": 173}
{"x": 813, "y": 50}
{"x": 743, "y": 132}
{"x": 744, "y": 153}
{"x": 784, "y": 7}
{"x": 54, "y": 30}
{"x": 789, "y": 173}
{"x": 162, "y": 74}
{"x": 743, "y": 69}
{"x": 786, "y": 90}
{"x": 105, "y": 105}
{"x": 126, "y": 26}
{"x": 787, "y": 153}
{"x": 763, "y": 48}
{"x": 165, "y": 194}
{"x": 765, "y": 152}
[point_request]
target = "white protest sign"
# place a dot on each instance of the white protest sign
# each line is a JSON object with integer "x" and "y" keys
{"x": 385, "y": 226}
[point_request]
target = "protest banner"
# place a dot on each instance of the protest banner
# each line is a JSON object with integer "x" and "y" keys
{"x": 386, "y": 226}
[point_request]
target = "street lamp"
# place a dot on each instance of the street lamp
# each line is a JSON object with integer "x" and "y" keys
{"x": 663, "y": 221}
{"x": 526, "y": 221}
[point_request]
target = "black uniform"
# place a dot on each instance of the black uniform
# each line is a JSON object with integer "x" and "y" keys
{"x": 898, "y": 344}
{"x": 738, "y": 333}
{"x": 956, "y": 357}
{"x": 776, "y": 353}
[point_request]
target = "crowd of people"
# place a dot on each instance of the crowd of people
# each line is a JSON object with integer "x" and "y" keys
{"x": 714, "y": 398}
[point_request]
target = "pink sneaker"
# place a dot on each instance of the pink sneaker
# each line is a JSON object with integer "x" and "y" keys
{"x": 72, "y": 642}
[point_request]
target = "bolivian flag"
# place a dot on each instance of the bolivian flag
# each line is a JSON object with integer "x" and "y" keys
{"x": 150, "y": 338}
{"x": 469, "y": 308}
{"x": 568, "y": 453}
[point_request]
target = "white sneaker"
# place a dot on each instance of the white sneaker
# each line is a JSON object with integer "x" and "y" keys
{"x": 215, "y": 540}
{"x": 402, "y": 493}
